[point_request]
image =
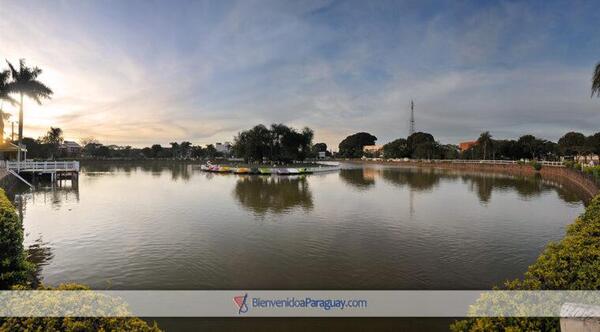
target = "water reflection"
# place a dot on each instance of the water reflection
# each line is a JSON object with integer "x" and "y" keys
{"x": 177, "y": 170}
{"x": 275, "y": 194}
{"x": 359, "y": 178}
{"x": 416, "y": 179}
{"x": 483, "y": 184}
{"x": 39, "y": 253}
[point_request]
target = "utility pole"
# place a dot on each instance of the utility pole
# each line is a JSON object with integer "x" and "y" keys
{"x": 412, "y": 118}
{"x": 12, "y": 134}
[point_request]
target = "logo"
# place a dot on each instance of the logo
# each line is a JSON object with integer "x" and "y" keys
{"x": 240, "y": 302}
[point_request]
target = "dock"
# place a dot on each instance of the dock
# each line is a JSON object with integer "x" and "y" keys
{"x": 56, "y": 169}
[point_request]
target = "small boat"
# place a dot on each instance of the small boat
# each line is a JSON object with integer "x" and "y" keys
{"x": 304, "y": 170}
{"x": 241, "y": 170}
{"x": 205, "y": 168}
{"x": 254, "y": 170}
{"x": 224, "y": 169}
{"x": 282, "y": 171}
{"x": 293, "y": 171}
{"x": 265, "y": 170}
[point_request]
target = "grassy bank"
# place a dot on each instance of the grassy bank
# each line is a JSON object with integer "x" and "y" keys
{"x": 17, "y": 273}
{"x": 571, "y": 264}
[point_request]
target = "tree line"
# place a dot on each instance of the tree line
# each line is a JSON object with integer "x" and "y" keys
{"x": 422, "y": 145}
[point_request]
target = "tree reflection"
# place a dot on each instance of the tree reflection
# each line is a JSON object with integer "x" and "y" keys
{"x": 40, "y": 254}
{"x": 416, "y": 179}
{"x": 275, "y": 194}
{"x": 359, "y": 178}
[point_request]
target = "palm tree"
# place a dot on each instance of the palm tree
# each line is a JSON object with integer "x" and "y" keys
{"x": 25, "y": 83}
{"x": 485, "y": 140}
{"x": 596, "y": 81}
{"x": 4, "y": 96}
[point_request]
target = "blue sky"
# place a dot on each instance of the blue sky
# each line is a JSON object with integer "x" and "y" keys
{"x": 144, "y": 72}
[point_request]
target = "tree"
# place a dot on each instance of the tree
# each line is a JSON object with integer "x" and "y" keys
{"x": 3, "y": 116}
{"x": 4, "y": 96}
{"x": 397, "y": 149}
{"x": 422, "y": 146}
{"x": 54, "y": 136}
{"x": 352, "y": 146}
{"x": 485, "y": 140}
{"x": 572, "y": 143}
{"x": 593, "y": 143}
{"x": 320, "y": 147}
{"x": 25, "y": 83}
{"x": 596, "y": 81}
{"x": 53, "y": 139}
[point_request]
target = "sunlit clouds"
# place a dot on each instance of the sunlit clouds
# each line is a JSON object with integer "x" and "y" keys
{"x": 139, "y": 72}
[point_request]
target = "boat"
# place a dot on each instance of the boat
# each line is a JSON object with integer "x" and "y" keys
{"x": 224, "y": 169}
{"x": 241, "y": 170}
{"x": 264, "y": 170}
{"x": 304, "y": 170}
{"x": 293, "y": 171}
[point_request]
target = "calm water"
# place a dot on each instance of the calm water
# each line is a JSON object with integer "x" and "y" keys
{"x": 170, "y": 226}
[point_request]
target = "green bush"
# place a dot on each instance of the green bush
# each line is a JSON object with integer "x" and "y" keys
{"x": 14, "y": 268}
{"x": 593, "y": 170}
{"x": 571, "y": 264}
{"x": 536, "y": 165}
{"x": 77, "y": 323}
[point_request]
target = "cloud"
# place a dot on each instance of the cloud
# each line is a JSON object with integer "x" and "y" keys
{"x": 143, "y": 73}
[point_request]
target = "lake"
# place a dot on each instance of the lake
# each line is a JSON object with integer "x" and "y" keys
{"x": 170, "y": 226}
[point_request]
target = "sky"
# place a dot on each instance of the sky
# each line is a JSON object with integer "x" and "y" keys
{"x": 143, "y": 72}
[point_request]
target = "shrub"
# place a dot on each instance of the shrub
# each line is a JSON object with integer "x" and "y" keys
{"x": 14, "y": 268}
{"x": 77, "y": 323}
{"x": 571, "y": 264}
{"x": 536, "y": 165}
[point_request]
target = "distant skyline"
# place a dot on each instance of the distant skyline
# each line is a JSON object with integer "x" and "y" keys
{"x": 144, "y": 72}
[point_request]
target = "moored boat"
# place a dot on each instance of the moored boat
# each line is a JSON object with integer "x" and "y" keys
{"x": 264, "y": 170}
{"x": 241, "y": 170}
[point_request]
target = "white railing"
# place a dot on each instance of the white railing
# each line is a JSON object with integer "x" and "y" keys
{"x": 465, "y": 161}
{"x": 43, "y": 166}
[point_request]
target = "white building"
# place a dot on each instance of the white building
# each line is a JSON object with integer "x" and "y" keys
{"x": 224, "y": 148}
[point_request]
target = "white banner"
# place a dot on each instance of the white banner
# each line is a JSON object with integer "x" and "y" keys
{"x": 311, "y": 303}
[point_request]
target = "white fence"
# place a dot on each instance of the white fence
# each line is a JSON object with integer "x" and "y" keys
{"x": 43, "y": 166}
{"x": 464, "y": 161}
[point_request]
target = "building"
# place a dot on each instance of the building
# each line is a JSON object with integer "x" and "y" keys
{"x": 374, "y": 150}
{"x": 464, "y": 146}
{"x": 590, "y": 159}
{"x": 70, "y": 148}
{"x": 224, "y": 148}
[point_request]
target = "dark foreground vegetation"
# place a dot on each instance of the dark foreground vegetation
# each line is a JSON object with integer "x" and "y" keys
{"x": 18, "y": 274}
{"x": 571, "y": 264}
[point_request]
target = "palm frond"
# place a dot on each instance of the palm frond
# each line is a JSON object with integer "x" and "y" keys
{"x": 5, "y": 87}
{"x": 596, "y": 81}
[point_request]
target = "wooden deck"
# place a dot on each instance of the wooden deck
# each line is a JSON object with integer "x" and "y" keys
{"x": 43, "y": 166}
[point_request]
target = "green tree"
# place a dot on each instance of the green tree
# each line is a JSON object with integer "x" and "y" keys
{"x": 396, "y": 149}
{"x": 25, "y": 83}
{"x": 422, "y": 146}
{"x": 352, "y": 146}
{"x": 485, "y": 141}
{"x": 5, "y": 89}
{"x": 572, "y": 143}
{"x": 596, "y": 81}
{"x": 593, "y": 143}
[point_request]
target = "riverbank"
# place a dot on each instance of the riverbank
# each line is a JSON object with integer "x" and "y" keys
{"x": 565, "y": 174}
{"x": 571, "y": 264}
